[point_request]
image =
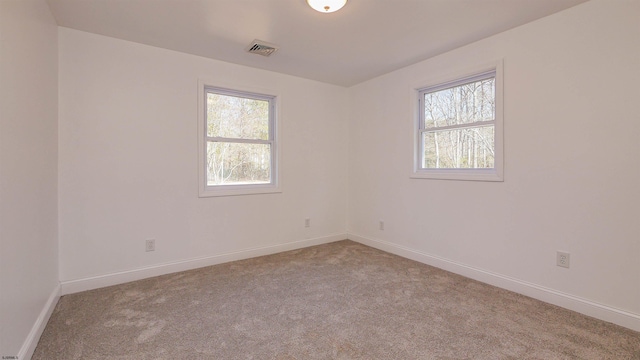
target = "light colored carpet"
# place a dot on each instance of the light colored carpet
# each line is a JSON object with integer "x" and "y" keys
{"x": 336, "y": 301}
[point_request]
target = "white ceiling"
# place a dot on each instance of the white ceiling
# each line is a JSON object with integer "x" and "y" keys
{"x": 365, "y": 39}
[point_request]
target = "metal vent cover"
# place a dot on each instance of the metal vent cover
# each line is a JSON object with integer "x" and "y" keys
{"x": 261, "y": 48}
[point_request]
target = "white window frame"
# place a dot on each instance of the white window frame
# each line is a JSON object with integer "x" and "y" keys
{"x": 444, "y": 82}
{"x": 206, "y": 190}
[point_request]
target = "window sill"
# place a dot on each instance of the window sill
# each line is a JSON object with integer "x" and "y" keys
{"x": 236, "y": 190}
{"x": 458, "y": 174}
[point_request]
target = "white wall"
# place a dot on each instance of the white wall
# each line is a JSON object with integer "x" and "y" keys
{"x": 128, "y": 161}
{"x": 28, "y": 172}
{"x": 571, "y": 120}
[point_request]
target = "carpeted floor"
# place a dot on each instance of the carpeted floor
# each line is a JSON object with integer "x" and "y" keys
{"x": 336, "y": 301}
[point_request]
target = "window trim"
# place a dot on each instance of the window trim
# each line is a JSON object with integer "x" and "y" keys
{"x": 450, "y": 80}
{"x": 205, "y": 190}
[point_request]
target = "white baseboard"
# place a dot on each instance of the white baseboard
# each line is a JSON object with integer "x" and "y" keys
{"x": 30, "y": 343}
{"x": 73, "y": 286}
{"x": 567, "y": 301}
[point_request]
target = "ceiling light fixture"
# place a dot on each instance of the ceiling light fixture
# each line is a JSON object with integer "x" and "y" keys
{"x": 326, "y": 6}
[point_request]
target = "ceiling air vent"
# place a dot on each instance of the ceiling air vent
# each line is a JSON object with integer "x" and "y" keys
{"x": 261, "y": 48}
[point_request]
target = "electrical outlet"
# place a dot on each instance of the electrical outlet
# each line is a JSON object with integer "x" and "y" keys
{"x": 150, "y": 245}
{"x": 307, "y": 222}
{"x": 562, "y": 259}
{"x": 381, "y": 225}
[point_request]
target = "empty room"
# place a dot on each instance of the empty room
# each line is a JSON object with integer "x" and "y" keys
{"x": 331, "y": 179}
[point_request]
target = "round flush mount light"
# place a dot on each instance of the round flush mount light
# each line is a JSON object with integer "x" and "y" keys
{"x": 326, "y": 6}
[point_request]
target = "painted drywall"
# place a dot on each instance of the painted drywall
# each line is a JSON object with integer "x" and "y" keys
{"x": 28, "y": 170}
{"x": 128, "y": 160}
{"x": 571, "y": 125}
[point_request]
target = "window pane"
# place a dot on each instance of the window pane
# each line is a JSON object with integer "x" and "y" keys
{"x": 462, "y": 104}
{"x": 238, "y": 163}
{"x": 236, "y": 117}
{"x": 469, "y": 148}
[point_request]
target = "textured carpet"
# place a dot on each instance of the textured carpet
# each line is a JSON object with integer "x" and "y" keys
{"x": 335, "y": 301}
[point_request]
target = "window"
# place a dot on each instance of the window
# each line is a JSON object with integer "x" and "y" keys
{"x": 238, "y": 149}
{"x": 459, "y": 129}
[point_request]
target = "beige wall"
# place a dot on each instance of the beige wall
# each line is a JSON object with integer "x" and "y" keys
{"x": 571, "y": 173}
{"x": 28, "y": 171}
